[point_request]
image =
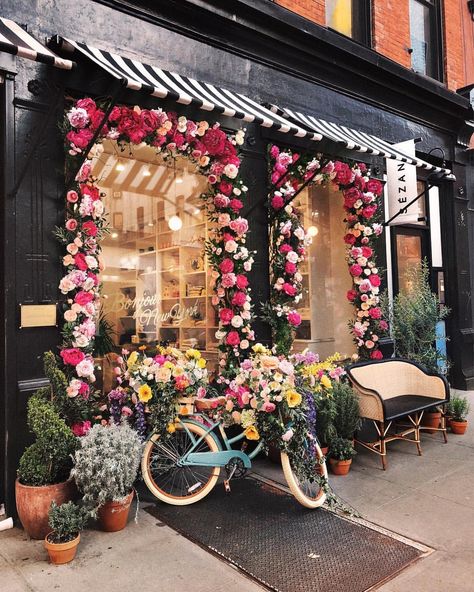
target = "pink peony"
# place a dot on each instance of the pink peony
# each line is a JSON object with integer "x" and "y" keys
{"x": 80, "y": 261}
{"x": 241, "y": 282}
{"x": 277, "y": 202}
{"x": 355, "y": 270}
{"x": 236, "y": 205}
{"x": 72, "y": 356}
{"x": 367, "y": 252}
{"x": 226, "y": 315}
{"x": 233, "y": 338}
{"x": 214, "y": 140}
{"x": 78, "y": 117}
{"x": 83, "y": 298}
{"x": 343, "y": 173}
{"x": 221, "y": 200}
{"x": 81, "y": 138}
{"x": 375, "y": 280}
{"x": 226, "y": 266}
{"x": 274, "y": 151}
{"x": 374, "y": 186}
{"x": 383, "y": 325}
{"x": 294, "y": 318}
{"x": 290, "y": 268}
{"x": 285, "y": 248}
{"x": 228, "y": 280}
{"x": 375, "y": 313}
{"x": 239, "y": 299}
{"x": 369, "y": 211}
{"x": 289, "y": 289}
{"x": 90, "y": 228}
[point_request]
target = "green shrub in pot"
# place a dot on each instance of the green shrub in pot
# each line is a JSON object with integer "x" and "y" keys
{"x": 347, "y": 419}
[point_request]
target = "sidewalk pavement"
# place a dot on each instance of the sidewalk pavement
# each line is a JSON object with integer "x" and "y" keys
{"x": 429, "y": 499}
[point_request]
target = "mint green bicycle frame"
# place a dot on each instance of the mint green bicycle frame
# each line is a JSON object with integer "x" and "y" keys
{"x": 214, "y": 459}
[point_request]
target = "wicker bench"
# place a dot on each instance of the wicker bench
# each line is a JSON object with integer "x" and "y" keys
{"x": 393, "y": 390}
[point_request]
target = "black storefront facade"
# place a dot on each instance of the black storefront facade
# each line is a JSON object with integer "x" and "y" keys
{"x": 257, "y": 49}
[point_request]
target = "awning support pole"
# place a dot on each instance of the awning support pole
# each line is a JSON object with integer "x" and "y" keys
{"x": 402, "y": 210}
{"x": 37, "y": 141}
{"x": 113, "y": 101}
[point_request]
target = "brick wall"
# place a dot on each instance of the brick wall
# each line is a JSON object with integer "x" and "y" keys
{"x": 314, "y": 10}
{"x": 391, "y": 33}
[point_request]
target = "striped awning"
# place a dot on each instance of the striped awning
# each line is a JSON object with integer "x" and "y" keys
{"x": 160, "y": 83}
{"x": 355, "y": 140}
{"x": 16, "y": 41}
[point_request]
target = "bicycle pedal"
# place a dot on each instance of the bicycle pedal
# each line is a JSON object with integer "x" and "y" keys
{"x": 226, "y": 485}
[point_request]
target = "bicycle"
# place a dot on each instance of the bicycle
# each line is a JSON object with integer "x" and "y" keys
{"x": 185, "y": 467}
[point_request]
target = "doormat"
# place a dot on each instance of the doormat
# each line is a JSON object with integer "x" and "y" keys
{"x": 267, "y": 534}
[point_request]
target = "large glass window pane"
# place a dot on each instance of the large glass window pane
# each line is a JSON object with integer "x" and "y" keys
{"x": 409, "y": 256}
{"x": 421, "y": 27}
{"x": 339, "y": 16}
{"x": 156, "y": 277}
{"x": 324, "y": 308}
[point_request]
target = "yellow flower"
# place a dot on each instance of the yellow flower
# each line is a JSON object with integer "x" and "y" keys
{"x": 169, "y": 365}
{"x": 171, "y": 429}
{"x": 293, "y": 398}
{"x": 251, "y": 433}
{"x": 177, "y": 371}
{"x": 201, "y": 363}
{"x": 144, "y": 393}
{"x": 132, "y": 359}
{"x": 193, "y": 354}
{"x": 258, "y": 348}
{"x": 326, "y": 382}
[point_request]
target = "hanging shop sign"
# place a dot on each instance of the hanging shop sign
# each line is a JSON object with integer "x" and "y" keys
{"x": 401, "y": 186}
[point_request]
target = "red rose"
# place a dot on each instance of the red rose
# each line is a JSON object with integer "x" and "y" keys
{"x": 375, "y": 280}
{"x": 96, "y": 118}
{"x": 88, "y": 104}
{"x": 241, "y": 282}
{"x": 376, "y": 355}
{"x": 92, "y": 191}
{"x": 367, "y": 252}
{"x": 375, "y": 313}
{"x": 83, "y": 298}
{"x": 233, "y": 338}
{"x": 72, "y": 356}
{"x": 226, "y": 315}
{"x": 355, "y": 270}
{"x": 359, "y": 182}
{"x": 277, "y": 202}
{"x": 116, "y": 114}
{"x": 225, "y": 187}
{"x": 290, "y": 268}
{"x": 343, "y": 173}
{"x": 369, "y": 211}
{"x": 80, "y": 261}
{"x": 90, "y": 228}
{"x": 235, "y": 205}
{"x": 351, "y": 295}
{"x": 239, "y": 299}
{"x": 214, "y": 140}
{"x": 229, "y": 154}
{"x": 149, "y": 120}
{"x": 285, "y": 248}
{"x": 81, "y": 428}
{"x": 130, "y": 124}
{"x": 349, "y": 239}
{"x": 374, "y": 186}
{"x": 226, "y": 266}
{"x": 294, "y": 318}
{"x": 351, "y": 196}
{"x": 289, "y": 289}
{"x": 81, "y": 138}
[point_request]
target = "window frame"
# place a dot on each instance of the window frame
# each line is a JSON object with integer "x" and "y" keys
{"x": 437, "y": 41}
{"x": 364, "y": 24}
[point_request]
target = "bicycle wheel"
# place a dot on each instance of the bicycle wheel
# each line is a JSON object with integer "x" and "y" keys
{"x": 171, "y": 483}
{"x": 309, "y": 492}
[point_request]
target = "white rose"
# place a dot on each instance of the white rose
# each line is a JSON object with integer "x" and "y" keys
{"x": 237, "y": 321}
{"x": 91, "y": 262}
{"x": 231, "y": 171}
{"x": 231, "y": 246}
{"x": 292, "y": 257}
{"x": 244, "y": 344}
{"x": 236, "y": 191}
{"x": 247, "y": 266}
{"x": 299, "y": 233}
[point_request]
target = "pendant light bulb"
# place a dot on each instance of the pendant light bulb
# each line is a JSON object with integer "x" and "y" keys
{"x": 312, "y": 231}
{"x": 175, "y": 223}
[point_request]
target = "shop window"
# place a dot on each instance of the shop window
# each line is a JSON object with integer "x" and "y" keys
{"x": 425, "y": 37}
{"x": 350, "y": 17}
{"x": 409, "y": 253}
{"x": 156, "y": 277}
{"x": 324, "y": 307}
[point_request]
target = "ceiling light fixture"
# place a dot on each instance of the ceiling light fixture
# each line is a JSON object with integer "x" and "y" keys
{"x": 114, "y": 235}
{"x": 175, "y": 223}
{"x": 147, "y": 173}
{"x": 312, "y": 231}
{"x": 120, "y": 167}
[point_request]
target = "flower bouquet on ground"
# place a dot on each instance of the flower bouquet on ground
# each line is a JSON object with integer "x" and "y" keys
{"x": 155, "y": 387}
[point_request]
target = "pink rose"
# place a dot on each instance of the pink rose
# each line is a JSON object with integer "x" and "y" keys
{"x": 241, "y": 282}
{"x": 343, "y": 173}
{"x": 369, "y": 211}
{"x": 290, "y": 268}
{"x": 228, "y": 280}
{"x": 81, "y": 138}
{"x": 72, "y": 196}
{"x": 83, "y": 298}
{"x": 226, "y": 315}
{"x": 274, "y": 151}
{"x": 81, "y": 428}
{"x": 239, "y": 299}
{"x": 375, "y": 280}
{"x": 72, "y": 356}
{"x": 269, "y": 407}
{"x": 226, "y": 187}
{"x": 355, "y": 270}
{"x": 84, "y": 390}
{"x": 71, "y": 224}
{"x": 289, "y": 289}
{"x": 375, "y": 313}
{"x": 88, "y": 104}
{"x": 374, "y": 186}
{"x": 233, "y": 338}
{"x": 351, "y": 295}
{"x": 294, "y": 318}
{"x": 80, "y": 261}
{"x": 367, "y": 252}
{"x": 90, "y": 228}
{"x": 285, "y": 248}
{"x": 235, "y": 205}
{"x": 226, "y": 266}
{"x": 376, "y": 355}
{"x": 277, "y": 202}
{"x": 221, "y": 200}
{"x": 239, "y": 226}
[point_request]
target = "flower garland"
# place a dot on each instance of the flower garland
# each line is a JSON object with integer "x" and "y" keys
{"x": 215, "y": 155}
{"x": 288, "y": 243}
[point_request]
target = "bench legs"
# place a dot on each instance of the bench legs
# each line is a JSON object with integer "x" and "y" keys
{"x": 442, "y": 427}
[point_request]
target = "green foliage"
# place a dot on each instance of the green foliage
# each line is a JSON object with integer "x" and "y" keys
{"x": 106, "y": 465}
{"x": 48, "y": 460}
{"x": 326, "y": 415}
{"x": 347, "y": 419}
{"x": 458, "y": 408}
{"x": 341, "y": 449}
{"x": 413, "y": 318}
{"x": 66, "y": 521}
{"x": 103, "y": 341}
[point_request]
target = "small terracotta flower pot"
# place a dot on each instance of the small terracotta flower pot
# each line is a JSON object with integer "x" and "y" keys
{"x": 340, "y": 467}
{"x": 458, "y": 427}
{"x": 113, "y": 516}
{"x": 60, "y": 553}
{"x": 33, "y": 503}
{"x": 431, "y": 420}
{"x": 325, "y": 450}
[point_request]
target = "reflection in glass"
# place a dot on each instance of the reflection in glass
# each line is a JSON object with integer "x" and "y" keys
{"x": 409, "y": 255}
{"x": 339, "y": 16}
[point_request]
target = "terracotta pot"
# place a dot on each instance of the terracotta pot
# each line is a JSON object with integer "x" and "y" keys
{"x": 113, "y": 516}
{"x": 431, "y": 420}
{"x": 60, "y": 553}
{"x": 33, "y": 503}
{"x": 325, "y": 450}
{"x": 458, "y": 427}
{"x": 340, "y": 467}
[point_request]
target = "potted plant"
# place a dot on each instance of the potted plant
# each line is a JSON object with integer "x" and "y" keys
{"x": 347, "y": 419}
{"x": 325, "y": 416}
{"x": 105, "y": 469}
{"x": 431, "y": 419}
{"x": 45, "y": 466}
{"x": 66, "y": 522}
{"x": 340, "y": 455}
{"x": 458, "y": 408}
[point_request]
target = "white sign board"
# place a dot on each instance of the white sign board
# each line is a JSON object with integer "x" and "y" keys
{"x": 401, "y": 186}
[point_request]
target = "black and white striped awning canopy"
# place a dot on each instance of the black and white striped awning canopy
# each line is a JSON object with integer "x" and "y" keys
{"x": 355, "y": 140}
{"x": 16, "y": 41}
{"x": 160, "y": 83}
